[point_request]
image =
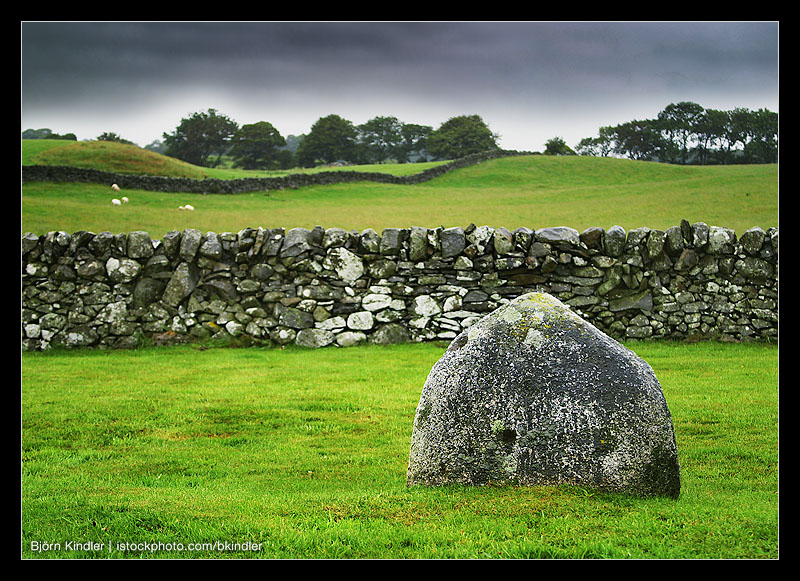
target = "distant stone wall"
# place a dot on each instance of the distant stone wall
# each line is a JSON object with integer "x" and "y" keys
{"x": 325, "y": 287}
{"x": 57, "y": 173}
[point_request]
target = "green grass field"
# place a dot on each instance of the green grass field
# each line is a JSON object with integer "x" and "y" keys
{"x": 304, "y": 454}
{"x": 532, "y": 191}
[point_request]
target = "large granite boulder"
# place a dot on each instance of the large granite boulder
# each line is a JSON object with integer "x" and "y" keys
{"x": 532, "y": 394}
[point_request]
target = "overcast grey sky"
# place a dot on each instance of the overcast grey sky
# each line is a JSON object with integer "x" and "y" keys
{"x": 529, "y": 81}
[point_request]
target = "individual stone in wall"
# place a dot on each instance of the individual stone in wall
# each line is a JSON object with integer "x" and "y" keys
{"x": 297, "y": 241}
{"x": 453, "y": 241}
{"x": 314, "y": 338}
{"x": 752, "y": 240}
{"x": 417, "y": 244}
{"x": 392, "y": 241}
{"x": 347, "y": 265}
{"x": 370, "y": 241}
{"x": 534, "y": 395}
{"x": 334, "y": 237}
{"x": 503, "y": 241}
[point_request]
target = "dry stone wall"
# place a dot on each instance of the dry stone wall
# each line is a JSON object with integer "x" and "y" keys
{"x": 127, "y": 181}
{"x": 324, "y": 287}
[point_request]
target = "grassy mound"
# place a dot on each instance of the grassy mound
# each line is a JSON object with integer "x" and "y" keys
{"x": 106, "y": 156}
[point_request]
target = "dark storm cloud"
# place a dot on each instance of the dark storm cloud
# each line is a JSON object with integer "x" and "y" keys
{"x": 544, "y": 68}
{"x": 94, "y": 51}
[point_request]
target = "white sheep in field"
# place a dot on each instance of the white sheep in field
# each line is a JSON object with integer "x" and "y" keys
{"x": 125, "y": 200}
{"x": 116, "y": 202}
{"x": 115, "y": 187}
{"x": 186, "y": 207}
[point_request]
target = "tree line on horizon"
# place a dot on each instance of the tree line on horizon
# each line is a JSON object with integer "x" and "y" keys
{"x": 686, "y": 133}
{"x": 682, "y": 133}
{"x": 205, "y": 138}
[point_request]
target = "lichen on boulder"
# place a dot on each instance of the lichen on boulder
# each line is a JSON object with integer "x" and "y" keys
{"x": 534, "y": 395}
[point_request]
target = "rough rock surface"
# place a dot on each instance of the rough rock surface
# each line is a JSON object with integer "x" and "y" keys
{"x": 534, "y": 395}
{"x": 689, "y": 282}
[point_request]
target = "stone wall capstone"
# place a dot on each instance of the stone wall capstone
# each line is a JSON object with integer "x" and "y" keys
{"x": 331, "y": 287}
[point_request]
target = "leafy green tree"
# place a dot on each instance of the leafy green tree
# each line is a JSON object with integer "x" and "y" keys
{"x": 640, "y": 140}
{"x": 557, "y": 146}
{"x": 107, "y": 136}
{"x": 762, "y": 137}
{"x": 710, "y": 132}
{"x": 726, "y": 133}
{"x": 284, "y": 159}
{"x": 380, "y": 138}
{"x": 601, "y": 146}
{"x": 47, "y": 134}
{"x": 678, "y": 122}
{"x": 256, "y": 146}
{"x": 739, "y": 119}
{"x": 735, "y": 136}
{"x": 200, "y": 136}
{"x": 44, "y": 133}
{"x": 588, "y": 146}
{"x": 414, "y": 142}
{"x": 461, "y": 136}
{"x": 740, "y": 136}
{"x": 331, "y": 138}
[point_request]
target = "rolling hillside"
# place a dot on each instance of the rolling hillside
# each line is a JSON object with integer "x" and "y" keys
{"x": 532, "y": 191}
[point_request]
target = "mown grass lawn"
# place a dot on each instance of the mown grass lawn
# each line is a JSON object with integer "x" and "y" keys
{"x": 303, "y": 454}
